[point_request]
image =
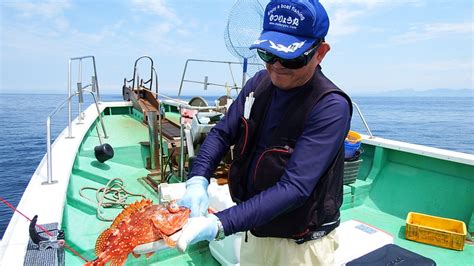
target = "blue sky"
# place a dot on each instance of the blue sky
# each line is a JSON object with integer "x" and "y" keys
{"x": 376, "y": 45}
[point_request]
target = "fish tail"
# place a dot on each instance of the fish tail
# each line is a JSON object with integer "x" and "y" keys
{"x": 96, "y": 262}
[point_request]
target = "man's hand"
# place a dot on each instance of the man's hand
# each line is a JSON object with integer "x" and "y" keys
{"x": 196, "y": 197}
{"x": 197, "y": 229}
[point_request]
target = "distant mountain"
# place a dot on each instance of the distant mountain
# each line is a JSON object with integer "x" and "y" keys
{"x": 441, "y": 92}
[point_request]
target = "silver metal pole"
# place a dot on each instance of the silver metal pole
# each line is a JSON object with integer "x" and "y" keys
{"x": 160, "y": 125}
{"x": 100, "y": 115}
{"x": 189, "y": 141}
{"x": 79, "y": 78}
{"x": 182, "y": 78}
{"x": 96, "y": 79}
{"x": 181, "y": 148}
{"x": 151, "y": 115}
{"x": 101, "y": 142}
{"x": 69, "y": 127}
{"x": 49, "y": 156}
{"x": 363, "y": 119}
{"x": 49, "y": 151}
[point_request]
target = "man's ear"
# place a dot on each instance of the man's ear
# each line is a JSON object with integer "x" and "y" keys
{"x": 322, "y": 50}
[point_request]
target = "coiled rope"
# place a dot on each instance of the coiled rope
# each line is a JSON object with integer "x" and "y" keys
{"x": 112, "y": 195}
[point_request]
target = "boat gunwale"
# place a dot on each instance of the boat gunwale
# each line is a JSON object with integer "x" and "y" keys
{"x": 443, "y": 154}
{"x": 38, "y": 195}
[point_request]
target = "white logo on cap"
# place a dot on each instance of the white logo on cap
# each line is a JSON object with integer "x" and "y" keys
{"x": 256, "y": 42}
{"x": 287, "y": 49}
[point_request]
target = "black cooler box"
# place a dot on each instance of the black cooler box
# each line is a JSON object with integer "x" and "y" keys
{"x": 391, "y": 255}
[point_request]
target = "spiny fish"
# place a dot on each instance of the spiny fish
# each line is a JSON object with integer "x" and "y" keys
{"x": 141, "y": 222}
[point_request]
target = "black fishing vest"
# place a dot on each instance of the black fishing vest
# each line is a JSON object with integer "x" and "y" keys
{"x": 323, "y": 204}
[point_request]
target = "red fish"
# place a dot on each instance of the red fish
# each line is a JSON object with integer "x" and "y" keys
{"x": 141, "y": 222}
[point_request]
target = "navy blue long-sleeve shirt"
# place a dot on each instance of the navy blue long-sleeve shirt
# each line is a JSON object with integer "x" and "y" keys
{"x": 324, "y": 131}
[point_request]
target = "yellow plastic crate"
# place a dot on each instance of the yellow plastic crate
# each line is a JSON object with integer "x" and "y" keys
{"x": 433, "y": 230}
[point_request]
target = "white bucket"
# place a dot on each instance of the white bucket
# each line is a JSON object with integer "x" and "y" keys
{"x": 226, "y": 251}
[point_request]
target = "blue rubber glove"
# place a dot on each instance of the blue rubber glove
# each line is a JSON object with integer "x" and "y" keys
{"x": 198, "y": 229}
{"x": 196, "y": 197}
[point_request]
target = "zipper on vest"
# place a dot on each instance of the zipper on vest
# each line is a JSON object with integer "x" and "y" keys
{"x": 282, "y": 149}
{"x": 246, "y": 126}
{"x": 246, "y": 135}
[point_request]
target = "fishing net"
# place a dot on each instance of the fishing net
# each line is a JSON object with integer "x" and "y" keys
{"x": 243, "y": 28}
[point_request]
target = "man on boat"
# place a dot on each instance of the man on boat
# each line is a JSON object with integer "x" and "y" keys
{"x": 288, "y": 127}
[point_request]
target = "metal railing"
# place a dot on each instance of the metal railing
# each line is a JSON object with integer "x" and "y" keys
{"x": 95, "y": 87}
{"x": 71, "y": 94}
{"x": 140, "y": 82}
{"x": 206, "y": 82}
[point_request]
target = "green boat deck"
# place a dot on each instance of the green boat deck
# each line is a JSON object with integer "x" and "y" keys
{"x": 79, "y": 219}
{"x": 390, "y": 184}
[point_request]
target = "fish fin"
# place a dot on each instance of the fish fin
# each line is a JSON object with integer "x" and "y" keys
{"x": 149, "y": 254}
{"x": 169, "y": 242}
{"x": 131, "y": 209}
{"x": 135, "y": 254}
{"x": 94, "y": 262}
{"x": 123, "y": 259}
{"x": 118, "y": 261}
{"x": 101, "y": 242}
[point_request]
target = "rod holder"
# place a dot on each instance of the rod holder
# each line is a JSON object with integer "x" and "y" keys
{"x": 154, "y": 146}
{"x": 79, "y": 91}
{"x": 94, "y": 83}
{"x": 206, "y": 78}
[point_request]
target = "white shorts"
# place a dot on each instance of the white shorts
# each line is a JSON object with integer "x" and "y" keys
{"x": 283, "y": 251}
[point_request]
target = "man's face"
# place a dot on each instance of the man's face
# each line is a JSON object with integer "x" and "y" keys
{"x": 285, "y": 78}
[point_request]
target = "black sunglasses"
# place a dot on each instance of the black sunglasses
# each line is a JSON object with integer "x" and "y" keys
{"x": 293, "y": 63}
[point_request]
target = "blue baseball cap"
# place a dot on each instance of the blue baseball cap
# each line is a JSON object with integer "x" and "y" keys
{"x": 290, "y": 27}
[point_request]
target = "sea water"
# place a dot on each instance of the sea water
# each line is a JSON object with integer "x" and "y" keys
{"x": 440, "y": 122}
